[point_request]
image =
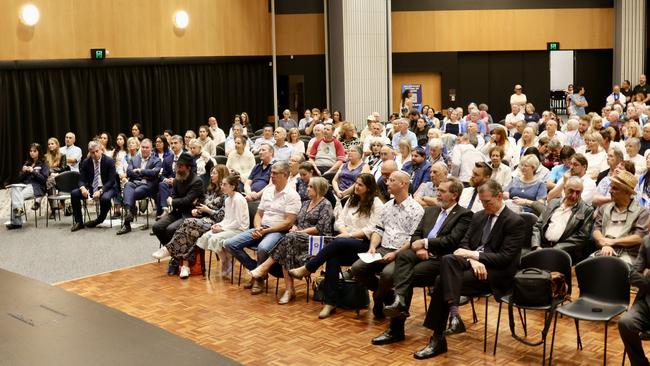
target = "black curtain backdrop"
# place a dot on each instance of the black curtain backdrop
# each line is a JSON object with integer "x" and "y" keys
{"x": 39, "y": 100}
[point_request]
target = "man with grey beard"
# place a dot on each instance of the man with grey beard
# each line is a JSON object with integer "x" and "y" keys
{"x": 187, "y": 192}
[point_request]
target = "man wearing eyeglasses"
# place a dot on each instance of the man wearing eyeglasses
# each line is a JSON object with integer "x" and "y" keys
{"x": 486, "y": 260}
{"x": 566, "y": 223}
{"x": 619, "y": 226}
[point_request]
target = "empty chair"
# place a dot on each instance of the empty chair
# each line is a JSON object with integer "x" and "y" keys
{"x": 604, "y": 294}
{"x": 65, "y": 183}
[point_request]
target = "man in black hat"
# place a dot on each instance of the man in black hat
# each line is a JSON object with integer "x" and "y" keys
{"x": 186, "y": 193}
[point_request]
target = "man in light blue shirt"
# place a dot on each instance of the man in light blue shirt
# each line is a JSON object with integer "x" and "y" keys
{"x": 404, "y": 133}
{"x": 72, "y": 153}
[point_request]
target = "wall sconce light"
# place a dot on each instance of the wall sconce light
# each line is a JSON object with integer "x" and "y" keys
{"x": 181, "y": 19}
{"x": 29, "y": 15}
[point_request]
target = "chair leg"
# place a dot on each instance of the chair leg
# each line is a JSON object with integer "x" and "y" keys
{"x": 239, "y": 278}
{"x": 232, "y": 270}
{"x": 474, "y": 317}
{"x": 424, "y": 293}
{"x": 496, "y": 336}
{"x": 605, "y": 349}
{"x": 485, "y": 326}
{"x": 47, "y": 215}
{"x": 578, "y": 334}
{"x": 524, "y": 322}
{"x": 550, "y": 357}
{"x": 308, "y": 280}
{"x": 209, "y": 265}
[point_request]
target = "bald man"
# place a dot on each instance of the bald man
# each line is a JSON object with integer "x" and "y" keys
{"x": 398, "y": 220}
{"x": 387, "y": 168}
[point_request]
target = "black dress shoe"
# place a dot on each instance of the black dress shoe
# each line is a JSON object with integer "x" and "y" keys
{"x": 13, "y": 226}
{"x": 77, "y": 226}
{"x": 124, "y": 229}
{"x": 91, "y": 223}
{"x": 437, "y": 345}
{"x": 397, "y": 309}
{"x": 388, "y": 337}
{"x": 456, "y": 325}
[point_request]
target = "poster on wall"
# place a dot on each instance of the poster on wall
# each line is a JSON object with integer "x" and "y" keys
{"x": 416, "y": 94}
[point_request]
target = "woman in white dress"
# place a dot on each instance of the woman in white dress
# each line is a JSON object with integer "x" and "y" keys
{"x": 235, "y": 220}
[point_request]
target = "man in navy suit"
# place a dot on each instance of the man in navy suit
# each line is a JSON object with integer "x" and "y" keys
{"x": 168, "y": 173}
{"x": 96, "y": 181}
{"x": 486, "y": 260}
{"x": 440, "y": 231}
{"x": 143, "y": 172}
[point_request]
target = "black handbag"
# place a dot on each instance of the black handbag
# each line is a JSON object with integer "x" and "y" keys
{"x": 536, "y": 287}
{"x": 351, "y": 294}
{"x": 532, "y": 287}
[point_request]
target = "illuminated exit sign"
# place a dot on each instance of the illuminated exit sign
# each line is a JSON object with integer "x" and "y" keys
{"x": 97, "y": 53}
{"x": 553, "y": 46}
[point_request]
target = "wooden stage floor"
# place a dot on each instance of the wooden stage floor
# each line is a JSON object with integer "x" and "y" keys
{"x": 254, "y": 330}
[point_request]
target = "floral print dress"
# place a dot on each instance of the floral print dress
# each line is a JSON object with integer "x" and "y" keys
{"x": 181, "y": 246}
{"x": 291, "y": 251}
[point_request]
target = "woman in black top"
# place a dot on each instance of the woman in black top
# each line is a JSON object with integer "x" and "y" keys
{"x": 31, "y": 183}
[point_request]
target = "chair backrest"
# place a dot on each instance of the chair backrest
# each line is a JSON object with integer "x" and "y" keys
{"x": 221, "y": 145}
{"x": 220, "y": 150}
{"x": 67, "y": 181}
{"x": 604, "y": 279}
{"x": 220, "y": 159}
{"x": 530, "y": 220}
{"x": 252, "y": 210}
{"x": 550, "y": 259}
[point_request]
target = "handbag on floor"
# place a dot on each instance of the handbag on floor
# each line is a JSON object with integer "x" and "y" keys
{"x": 351, "y": 294}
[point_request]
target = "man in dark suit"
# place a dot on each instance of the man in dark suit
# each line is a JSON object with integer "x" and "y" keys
{"x": 168, "y": 174}
{"x": 439, "y": 232}
{"x": 566, "y": 223}
{"x": 186, "y": 193}
{"x": 143, "y": 172}
{"x": 96, "y": 181}
{"x": 637, "y": 318}
{"x": 486, "y": 261}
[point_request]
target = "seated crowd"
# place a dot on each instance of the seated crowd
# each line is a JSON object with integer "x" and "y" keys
{"x": 438, "y": 199}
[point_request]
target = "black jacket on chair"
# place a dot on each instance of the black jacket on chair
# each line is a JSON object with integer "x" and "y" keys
{"x": 450, "y": 233}
{"x": 636, "y": 276}
{"x": 502, "y": 250}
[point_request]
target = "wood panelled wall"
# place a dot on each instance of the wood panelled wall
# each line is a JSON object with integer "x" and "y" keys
{"x": 144, "y": 28}
{"x": 502, "y": 30}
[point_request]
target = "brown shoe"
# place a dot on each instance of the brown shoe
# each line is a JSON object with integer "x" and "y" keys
{"x": 258, "y": 286}
{"x": 249, "y": 285}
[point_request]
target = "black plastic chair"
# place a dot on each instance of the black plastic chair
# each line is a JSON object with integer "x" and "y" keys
{"x": 549, "y": 259}
{"x": 220, "y": 150}
{"x": 221, "y": 159}
{"x": 530, "y": 220}
{"x": 65, "y": 183}
{"x": 221, "y": 147}
{"x": 604, "y": 294}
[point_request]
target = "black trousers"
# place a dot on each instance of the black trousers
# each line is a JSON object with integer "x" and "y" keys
{"x": 340, "y": 252}
{"x": 104, "y": 204}
{"x": 411, "y": 271}
{"x": 456, "y": 276}
{"x": 166, "y": 226}
{"x": 636, "y": 319}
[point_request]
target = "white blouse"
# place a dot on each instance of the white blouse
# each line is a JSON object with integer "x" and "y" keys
{"x": 351, "y": 221}
{"x": 298, "y": 147}
{"x": 235, "y": 213}
{"x": 243, "y": 163}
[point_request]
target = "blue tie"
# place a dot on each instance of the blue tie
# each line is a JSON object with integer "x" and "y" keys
{"x": 471, "y": 201}
{"x": 96, "y": 177}
{"x": 436, "y": 227}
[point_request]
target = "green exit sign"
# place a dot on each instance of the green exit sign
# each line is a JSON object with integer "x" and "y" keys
{"x": 553, "y": 46}
{"x": 97, "y": 53}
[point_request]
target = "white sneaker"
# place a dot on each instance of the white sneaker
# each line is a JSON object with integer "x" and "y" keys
{"x": 161, "y": 253}
{"x": 185, "y": 272}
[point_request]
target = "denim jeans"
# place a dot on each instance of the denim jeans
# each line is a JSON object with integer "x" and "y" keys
{"x": 265, "y": 244}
